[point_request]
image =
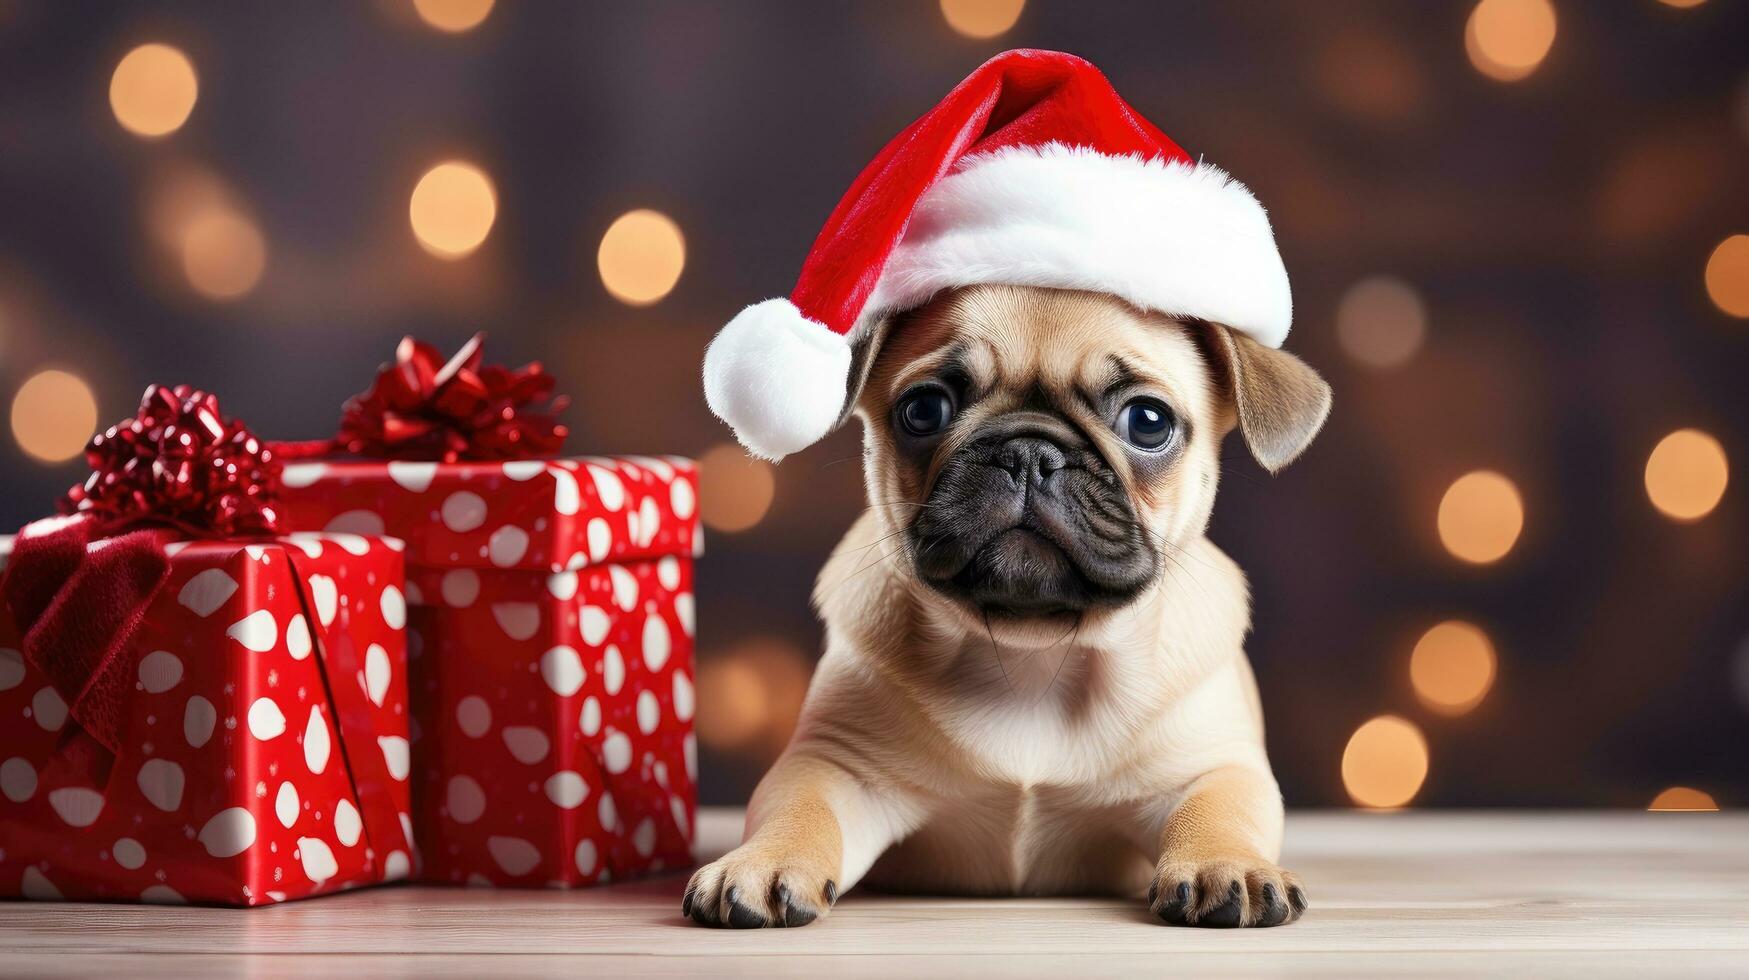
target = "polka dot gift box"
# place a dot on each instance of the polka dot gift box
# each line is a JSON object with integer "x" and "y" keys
{"x": 217, "y": 720}
{"x": 550, "y": 625}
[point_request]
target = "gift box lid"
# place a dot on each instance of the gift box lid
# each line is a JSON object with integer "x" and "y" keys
{"x": 214, "y": 551}
{"x": 539, "y": 515}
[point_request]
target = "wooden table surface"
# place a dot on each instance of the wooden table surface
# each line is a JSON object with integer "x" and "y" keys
{"x": 1414, "y": 893}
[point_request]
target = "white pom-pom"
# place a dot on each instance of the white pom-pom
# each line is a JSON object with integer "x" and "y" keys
{"x": 778, "y": 378}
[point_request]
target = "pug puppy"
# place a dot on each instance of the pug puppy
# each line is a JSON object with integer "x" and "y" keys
{"x": 1034, "y": 680}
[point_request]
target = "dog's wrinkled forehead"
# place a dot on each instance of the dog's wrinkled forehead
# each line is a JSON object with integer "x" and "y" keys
{"x": 1010, "y": 340}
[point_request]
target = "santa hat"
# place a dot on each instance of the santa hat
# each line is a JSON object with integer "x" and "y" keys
{"x": 1033, "y": 171}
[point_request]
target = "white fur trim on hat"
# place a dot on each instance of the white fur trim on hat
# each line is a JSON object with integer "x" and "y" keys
{"x": 1173, "y": 237}
{"x": 778, "y": 378}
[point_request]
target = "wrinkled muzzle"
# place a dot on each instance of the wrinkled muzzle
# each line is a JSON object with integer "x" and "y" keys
{"x": 1027, "y": 519}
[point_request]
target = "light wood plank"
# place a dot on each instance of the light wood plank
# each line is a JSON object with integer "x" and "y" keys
{"x": 1082, "y": 966}
{"x": 1422, "y": 893}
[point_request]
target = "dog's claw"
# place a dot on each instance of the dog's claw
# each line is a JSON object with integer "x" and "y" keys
{"x": 1225, "y": 894}
{"x": 1176, "y": 907}
{"x": 741, "y": 916}
{"x": 831, "y": 892}
{"x": 1275, "y": 911}
{"x": 795, "y": 915}
{"x": 1229, "y": 913}
{"x": 744, "y": 895}
{"x": 788, "y": 912}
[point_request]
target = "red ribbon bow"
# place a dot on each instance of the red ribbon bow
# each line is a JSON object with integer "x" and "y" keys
{"x": 178, "y": 463}
{"x": 178, "y": 467}
{"x": 421, "y": 407}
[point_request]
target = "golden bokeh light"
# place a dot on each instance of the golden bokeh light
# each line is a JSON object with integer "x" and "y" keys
{"x": 153, "y": 90}
{"x": 1727, "y": 276}
{"x": 453, "y": 16}
{"x": 223, "y": 253}
{"x": 1682, "y": 799}
{"x": 981, "y": 18}
{"x": 177, "y": 195}
{"x": 53, "y": 416}
{"x": 735, "y": 490}
{"x": 1385, "y": 763}
{"x": 207, "y": 230}
{"x": 1452, "y": 667}
{"x": 1480, "y": 517}
{"x": 452, "y": 209}
{"x": 751, "y": 695}
{"x": 1685, "y": 4}
{"x": 1381, "y": 322}
{"x": 641, "y": 257}
{"x": 1507, "y": 39}
{"x": 733, "y": 702}
{"x": 1686, "y": 474}
{"x": 786, "y": 671}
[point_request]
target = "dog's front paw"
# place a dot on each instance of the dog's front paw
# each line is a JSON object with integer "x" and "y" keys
{"x": 1225, "y": 893}
{"x": 750, "y": 889}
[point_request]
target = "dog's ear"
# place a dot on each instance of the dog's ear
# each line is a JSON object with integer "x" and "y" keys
{"x": 863, "y": 351}
{"x": 1281, "y": 403}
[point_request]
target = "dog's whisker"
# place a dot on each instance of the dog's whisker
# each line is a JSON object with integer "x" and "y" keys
{"x": 880, "y": 540}
{"x": 1230, "y": 467}
{"x": 1073, "y": 645}
{"x": 899, "y": 503}
{"x": 891, "y": 534}
{"x": 1170, "y": 550}
{"x": 1073, "y": 628}
{"x": 996, "y": 649}
{"x": 866, "y": 567}
{"x": 1171, "y": 555}
{"x": 883, "y": 556}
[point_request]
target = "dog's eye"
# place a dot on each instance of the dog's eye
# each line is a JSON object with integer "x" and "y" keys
{"x": 925, "y": 412}
{"x": 1146, "y": 424}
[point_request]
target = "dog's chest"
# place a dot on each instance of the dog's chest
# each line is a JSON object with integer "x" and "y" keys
{"x": 1022, "y": 747}
{"x": 1040, "y": 808}
{"x": 1042, "y": 801}
{"x": 1106, "y": 747}
{"x": 1023, "y": 840}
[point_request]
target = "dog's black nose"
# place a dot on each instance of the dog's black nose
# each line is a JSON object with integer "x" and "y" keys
{"x": 1029, "y": 459}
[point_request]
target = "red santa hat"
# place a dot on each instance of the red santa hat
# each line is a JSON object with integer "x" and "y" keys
{"x": 1033, "y": 171}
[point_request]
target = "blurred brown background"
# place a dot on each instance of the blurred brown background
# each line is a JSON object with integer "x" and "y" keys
{"x": 1511, "y": 571}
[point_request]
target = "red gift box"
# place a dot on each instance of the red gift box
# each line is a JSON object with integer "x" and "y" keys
{"x": 261, "y": 748}
{"x": 551, "y": 633}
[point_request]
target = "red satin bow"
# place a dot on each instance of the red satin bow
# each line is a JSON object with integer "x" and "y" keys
{"x": 178, "y": 463}
{"x": 421, "y": 407}
{"x": 177, "y": 467}
{"x": 77, "y": 609}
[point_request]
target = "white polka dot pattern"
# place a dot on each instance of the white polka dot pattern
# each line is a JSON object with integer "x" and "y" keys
{"x": 226, "y": 788}
{"x": 526, "y": 514}
{"x": 560, "y": 744}
{"x": 554, "y": 669}
{"x": 160, "y": 671}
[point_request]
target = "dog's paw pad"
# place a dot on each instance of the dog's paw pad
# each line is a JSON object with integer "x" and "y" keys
{"x": 748, "y": 890}
{"x": 1225, "y": 894}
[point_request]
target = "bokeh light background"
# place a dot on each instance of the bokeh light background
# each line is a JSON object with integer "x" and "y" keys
{"x": 1511, "y": 572}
